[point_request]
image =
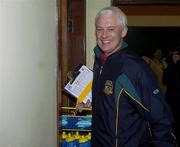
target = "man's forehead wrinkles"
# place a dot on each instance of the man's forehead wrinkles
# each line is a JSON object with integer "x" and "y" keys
{"x": 105, "y": 26}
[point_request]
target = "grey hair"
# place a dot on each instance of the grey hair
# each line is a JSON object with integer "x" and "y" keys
{"x": 113, "y": 10}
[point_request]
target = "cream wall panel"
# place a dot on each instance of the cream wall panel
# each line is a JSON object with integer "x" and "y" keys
{"x": 28, "y": 73}
{"x": 92, "y": 7}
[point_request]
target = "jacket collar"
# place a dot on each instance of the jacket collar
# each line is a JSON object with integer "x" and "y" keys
{"x": 98, "y": 52}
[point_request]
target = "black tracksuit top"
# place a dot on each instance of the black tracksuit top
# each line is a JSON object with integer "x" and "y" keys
{"x": 128, "y": 108}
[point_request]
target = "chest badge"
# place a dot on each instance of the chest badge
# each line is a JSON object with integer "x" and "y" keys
{"x": 108, "y": 88}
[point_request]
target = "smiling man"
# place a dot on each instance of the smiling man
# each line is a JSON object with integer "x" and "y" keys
{"x": 109, "y": 34}
{"x": 129, "y": 110}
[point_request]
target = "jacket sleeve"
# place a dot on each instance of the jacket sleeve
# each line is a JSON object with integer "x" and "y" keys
{"x": 159, "y": 114}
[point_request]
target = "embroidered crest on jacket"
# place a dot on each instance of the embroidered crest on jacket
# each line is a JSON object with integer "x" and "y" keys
{"x": 108, "y": 88}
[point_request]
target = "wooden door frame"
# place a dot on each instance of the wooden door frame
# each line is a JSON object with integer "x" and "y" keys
{"x": 61, "y": 55}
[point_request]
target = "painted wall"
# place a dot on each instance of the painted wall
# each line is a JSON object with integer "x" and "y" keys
{"x": 154, "y": 20}
{"x": 93, "y": 6}
{"x": 28, "y": 73}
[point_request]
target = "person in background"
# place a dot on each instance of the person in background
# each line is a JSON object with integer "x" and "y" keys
{"x": 128, "y": 109}
{"x": 171, "y": 78}
{"x": 158, "y": 58}
{"x": 158, "y": 64}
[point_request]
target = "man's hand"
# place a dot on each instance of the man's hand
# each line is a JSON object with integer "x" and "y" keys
{"x": 80, "y": 106}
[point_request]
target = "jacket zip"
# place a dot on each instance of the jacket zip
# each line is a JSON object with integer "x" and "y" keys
{"x": 101, "y": 68}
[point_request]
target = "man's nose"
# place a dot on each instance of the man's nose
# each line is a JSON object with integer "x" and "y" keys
{"x": 105, "y": 33}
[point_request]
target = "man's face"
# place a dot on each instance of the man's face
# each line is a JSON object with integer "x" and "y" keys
{"x": 176, "y": 56}
{"x": 109, "y": 34}
{"x": 158, "y": 54}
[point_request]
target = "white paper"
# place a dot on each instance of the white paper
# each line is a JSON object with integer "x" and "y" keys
{"x": 80, "y": 83}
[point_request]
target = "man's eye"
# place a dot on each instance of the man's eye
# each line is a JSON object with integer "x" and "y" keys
{"x": 99, "y": 30}
{"x": 110, "y": 30}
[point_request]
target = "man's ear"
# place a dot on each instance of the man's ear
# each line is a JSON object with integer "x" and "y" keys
{"x": 124, "y": 32}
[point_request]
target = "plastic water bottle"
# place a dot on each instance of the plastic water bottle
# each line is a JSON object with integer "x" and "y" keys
{"x": 84, "y": 142}
{"x": 63, "y": 139}
{"x": 89, "y": 136}
{"x": 70, "y": 141}
{"x": 76, "y": 137}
